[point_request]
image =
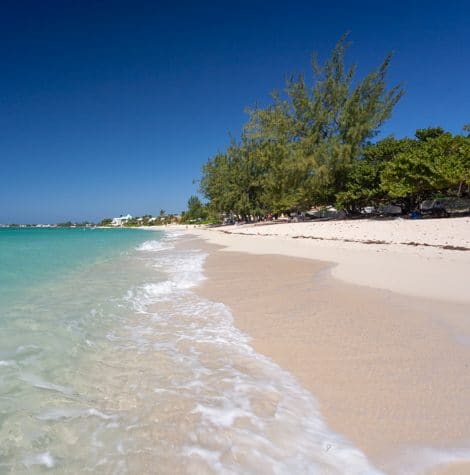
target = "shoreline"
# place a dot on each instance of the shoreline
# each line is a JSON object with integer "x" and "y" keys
{"x": 379, "y": 379}
{"x": 426, "y": 271}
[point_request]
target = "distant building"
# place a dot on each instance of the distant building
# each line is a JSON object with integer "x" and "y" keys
{"x": 121, "y": 220}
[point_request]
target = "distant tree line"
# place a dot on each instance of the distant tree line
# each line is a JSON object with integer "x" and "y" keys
{"x": 70, "y": 224}
{"x": 198, "y": 212}
{"x": 312, "y": 146}
{"x": 145, "y": 220}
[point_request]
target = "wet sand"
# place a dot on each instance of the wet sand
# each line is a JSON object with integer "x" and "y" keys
{"x": 390, "y": 372}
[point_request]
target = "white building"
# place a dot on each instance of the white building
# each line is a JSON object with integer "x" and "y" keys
{"x": 121, "y": 220}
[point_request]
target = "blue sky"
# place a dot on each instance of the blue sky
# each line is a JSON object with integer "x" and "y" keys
{"x": 112, "y": 107}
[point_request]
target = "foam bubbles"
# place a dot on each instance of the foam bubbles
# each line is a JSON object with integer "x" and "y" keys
{"x": 154, "y": 246}
{"x": 6, "y": 363}
{"x": 248, "y": 414}
{"x": 45, "y": 459}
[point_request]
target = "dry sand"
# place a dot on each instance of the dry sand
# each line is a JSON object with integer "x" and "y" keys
{"x": 430, "y": 232}
{"x": 390, "y": 372}
{"x": 426, "y": 270}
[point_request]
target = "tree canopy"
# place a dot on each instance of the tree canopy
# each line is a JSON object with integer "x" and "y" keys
{"x": 434, "y": 163}
{"x": 312, "y": 145}
{"x": 197, "y": 211}
{"x": 298, "y": 150}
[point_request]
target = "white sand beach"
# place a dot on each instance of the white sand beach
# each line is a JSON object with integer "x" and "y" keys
{"x": 379, "y": 333}
{"x": 412, "y": 257}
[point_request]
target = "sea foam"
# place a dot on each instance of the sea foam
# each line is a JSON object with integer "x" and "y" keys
{"x": 44, "y": 459}
{"x": 249, "y": 414}
{"x": 153, "y": 246}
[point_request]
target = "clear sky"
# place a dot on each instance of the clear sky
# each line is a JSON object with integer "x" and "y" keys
{"x": 109, "y": 108}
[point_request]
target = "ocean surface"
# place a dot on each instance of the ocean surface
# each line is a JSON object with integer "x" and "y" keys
{"x": 111, "y": 363}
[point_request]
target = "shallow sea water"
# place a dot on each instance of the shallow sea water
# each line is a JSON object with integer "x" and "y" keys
{"x": 111, "y": 363}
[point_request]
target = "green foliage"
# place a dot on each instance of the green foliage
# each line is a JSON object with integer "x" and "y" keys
{"x": 440, "y": 163}
{"x": 106, "y": 222}
{"x": 299, "y": 150}
{"x": 429, "y": 133}
{"x": 363, "y": 184}
{"x": 131, "y": 222}
{"x": 311, "y": 146}
{"x": 197, "y": 211}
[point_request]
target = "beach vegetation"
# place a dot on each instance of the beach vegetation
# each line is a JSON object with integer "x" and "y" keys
{"x": 314, "y": 146}
{"x": 299, "y": 150}
{"x": 364, "y": 182}
{"x": 197, "y": 211}
{"x": 106, "y": 222}
{"x": 436, "y": 165}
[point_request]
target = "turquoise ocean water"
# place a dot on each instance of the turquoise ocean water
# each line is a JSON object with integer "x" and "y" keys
{"x": 111, "y": 363}
{"x": 58, "y": 289}
{"x": 30, "y": 258}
